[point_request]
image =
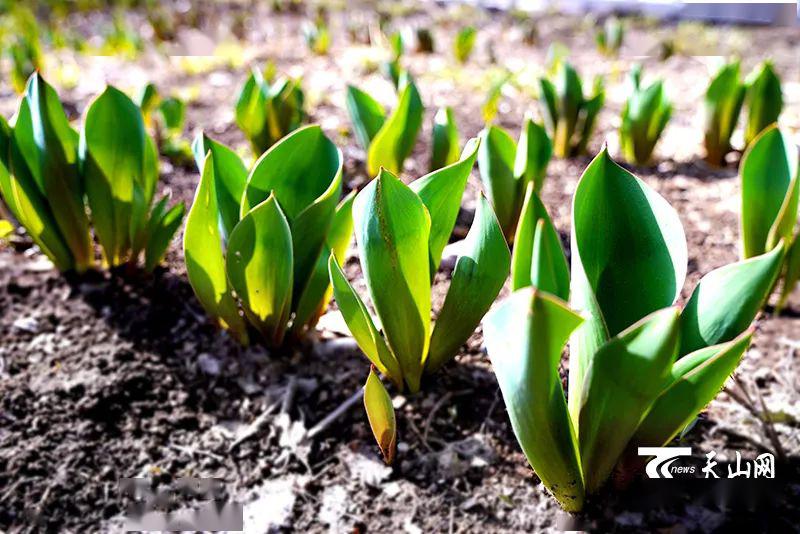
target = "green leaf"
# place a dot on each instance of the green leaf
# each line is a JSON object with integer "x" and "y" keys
{"x": 230, "y": 177}
{"x": 534, "y": 151}
{"x": 147, "y": 99}
{"x": 629, "y": 259}
{"x": 496, "y": 164}
{"x": 588, "y": 116}
{"x": 695, "y": 381}
{"x": 769, "y": 173}
{"x": 251, "y": 110}
{"x": 445, "y": 139}
{"x": 366, "y": 114}
{"x": 723, "y": 103}
{"x": 361, "y": 325}
{"x": 548, "y": 103}
{"x": 537, "y": 258}
{"x": 205, "y": 260}
{"x": 622, "y": 381}
{"x": 161, "y": 231}
{"x": 392, "y": 227}
{"x": 298, "y": 171}
{"x": 441, "y": 192}
{"x": 478, "y": 277}
{"x": 380, "y": 413}
{"x": 259, "y": 264}
{"x": 525, "y": 335}
{"x": 24, "y": 199}
{"x": 317, "y": 293}
{"x": 465, "y": 42}
{"x": 727, "y": 300}
{"x": 49, "y": 147}
{"x": 764, "y": 100}
{"x": 173, "y": 111}
{"x": 644, "y": 118}
{"x": 112, "y": 146}
{"x": 395, "y": 140}
{"x": 791, "y": 274}
{"x": 304, "y": 172}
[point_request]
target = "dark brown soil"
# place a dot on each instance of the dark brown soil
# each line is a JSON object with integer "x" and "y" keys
{"x": 116, "y": 375}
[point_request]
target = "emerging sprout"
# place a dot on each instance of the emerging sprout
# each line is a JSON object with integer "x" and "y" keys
{"x": 644, "y": 117}
{"x": 464, "y": 43}
{"x": 393, "y": 223}
{"x": 723, "y": 103}
{"x": 266, "y": 111}
{"x": 640, "y": 368}
{"x": 568, "y": 115}
{"x": 166, "y": 118}
{"x": 506, "y": 169}
{"x": 317, "y": 36}
{"x": 609, "y": 37}
{"x": 49, "y": 174}
{"x": 388, "y": 140}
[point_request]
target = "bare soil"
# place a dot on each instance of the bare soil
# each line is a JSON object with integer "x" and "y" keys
{"x": 116, "y": 375}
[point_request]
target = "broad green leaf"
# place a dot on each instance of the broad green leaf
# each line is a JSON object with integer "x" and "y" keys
{"x": 478, "y": 277}
{"x": 392, "y": 229}
{"x": 49, "y": 146}
{"x": 361, "y": 325}
{"x": 538, "y": 258}
{"x": 230, "y": 176}
{"x": 112, "y": 146}
{"x": 525, "y": 335}
{"x": 445, "y": 139}
{"x": 629, "y": 259}
{"x": 764, "y": 100}
{"x": 317, "y": 293}
{"x": 259, "y": 264}
{"x": 769, "y": 171}
{"x": 380, "y": 413}
{"x": 622, "y": 381}
{"x": 298, "y": 171}
{"x": 534, "y": 151}
{"x": 791, "y": 274}
{"x": 205, "y": 260}
{"x": 162, "y": 230}
{"x": 395, "y": 140}
{"x": 304, "y": 172}
{"x": 496, "y": 164}
{"x": 441, "y": 192}
{"x": 727, "y": 300}
{"x": 695, "y": 381}
{"x": 27, "y": 202}
{"x": 366, "y": 114}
